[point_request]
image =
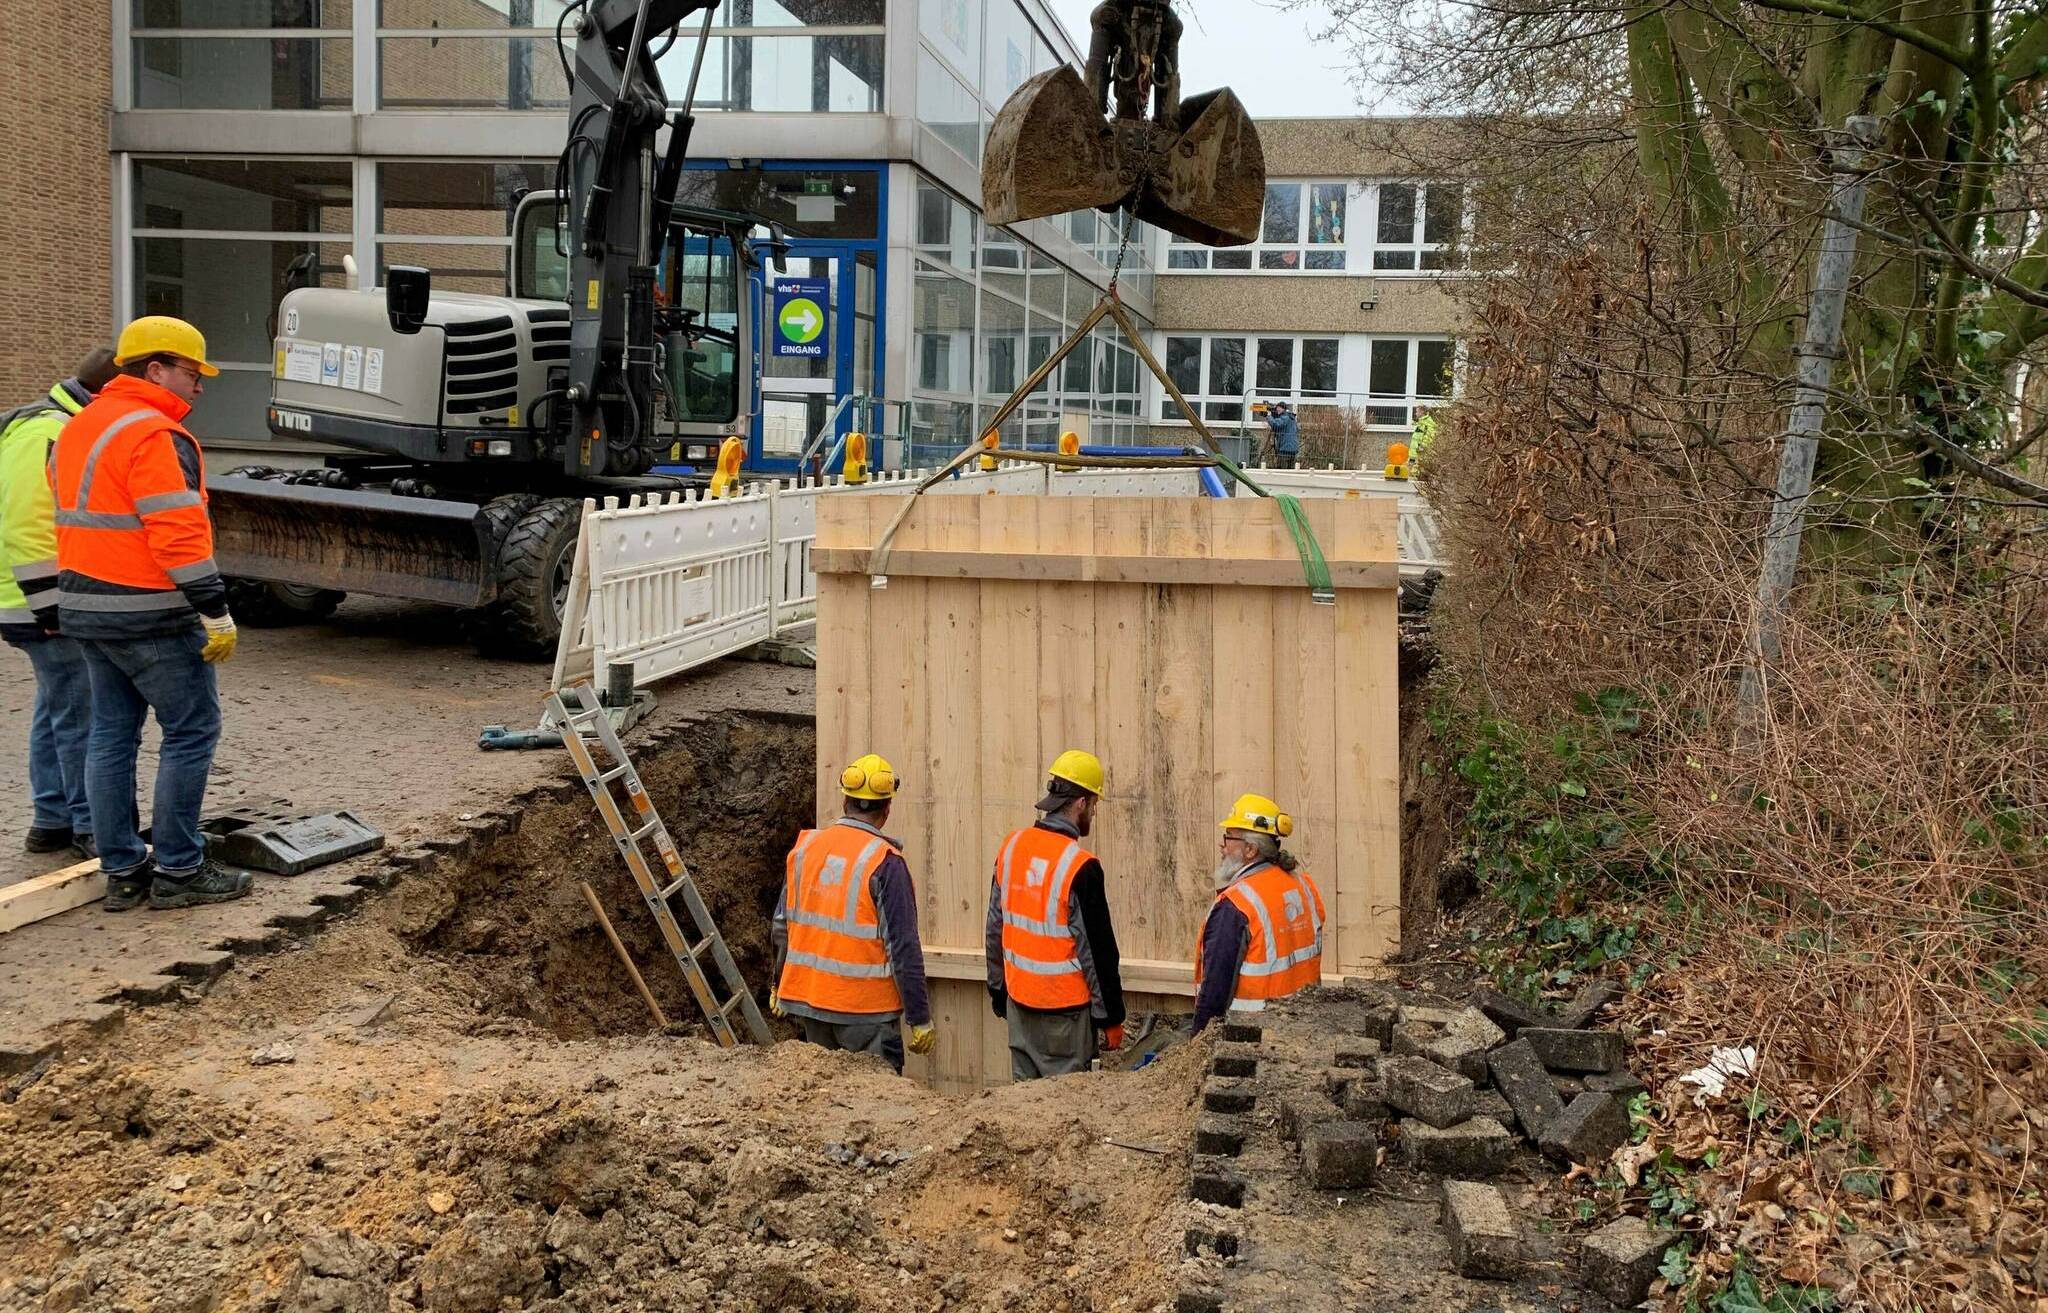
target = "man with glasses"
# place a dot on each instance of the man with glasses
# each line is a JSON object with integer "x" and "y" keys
{"x": 137, "y": 586}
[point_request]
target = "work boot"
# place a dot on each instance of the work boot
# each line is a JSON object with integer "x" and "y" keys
{"x": 83, "y": 845}
{"x": 129, "y": 889}
{"x": 47, "y": 838}
{"x": 211, "y": 883}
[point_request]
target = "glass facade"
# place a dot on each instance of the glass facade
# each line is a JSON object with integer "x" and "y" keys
{"x": 1335, "y": 226}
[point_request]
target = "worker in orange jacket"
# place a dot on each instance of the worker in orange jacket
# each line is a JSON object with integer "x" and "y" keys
{"x": 1054, "y": 974}
{"x": 1263, "y": 939}
{"x": 848, "y": 961}
{"x": 138, "y": 588}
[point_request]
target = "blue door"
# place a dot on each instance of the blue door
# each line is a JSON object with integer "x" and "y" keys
{"x": 818, "y": 342}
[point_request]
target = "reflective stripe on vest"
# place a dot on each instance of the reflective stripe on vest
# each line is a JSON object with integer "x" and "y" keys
{"x": 836, "y": 960}
{"x": 1286, "y": 949}
{"x": 1035, "y": 873}
{"x": 130, "y": 542}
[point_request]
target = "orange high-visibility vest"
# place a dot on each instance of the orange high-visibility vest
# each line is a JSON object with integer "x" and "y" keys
{"x": 837, "y": 961}
{"x": 1035, "y": 868}
{"x": 1285, "y": 912}
{"x": 129, "y": 527}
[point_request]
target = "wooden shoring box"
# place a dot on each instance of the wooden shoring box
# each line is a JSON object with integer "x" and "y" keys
{"x": 1174, "y": 637}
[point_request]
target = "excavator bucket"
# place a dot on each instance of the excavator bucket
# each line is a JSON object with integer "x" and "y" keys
{"x": 1051, "y": 151}
{"x": 340, "y": 538}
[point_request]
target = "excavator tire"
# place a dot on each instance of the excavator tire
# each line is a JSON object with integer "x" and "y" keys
{"x": 263, "y": 605}
{"x": 533, "y": 577}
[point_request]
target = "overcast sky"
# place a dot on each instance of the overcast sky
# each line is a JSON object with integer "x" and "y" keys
{"x": 1260, "y": 51}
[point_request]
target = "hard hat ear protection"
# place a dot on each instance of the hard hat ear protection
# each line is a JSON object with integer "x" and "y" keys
{"x": 880, "y": 781}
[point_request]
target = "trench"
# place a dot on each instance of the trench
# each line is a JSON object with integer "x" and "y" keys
{"x": 733, "y": 790}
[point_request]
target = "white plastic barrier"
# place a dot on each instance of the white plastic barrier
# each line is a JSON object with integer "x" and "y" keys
{"x": 669, "y": 582}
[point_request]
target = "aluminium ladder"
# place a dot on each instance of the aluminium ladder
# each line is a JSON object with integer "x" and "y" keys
{"x": 583, "y": 719}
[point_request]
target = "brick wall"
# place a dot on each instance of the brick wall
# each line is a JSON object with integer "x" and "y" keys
{"x": 56, "y": 272}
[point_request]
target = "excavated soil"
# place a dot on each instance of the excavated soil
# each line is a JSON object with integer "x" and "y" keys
{"x": 455, "y": 1102}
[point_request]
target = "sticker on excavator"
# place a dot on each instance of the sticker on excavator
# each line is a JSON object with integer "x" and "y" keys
{"x": 289, "y": 846}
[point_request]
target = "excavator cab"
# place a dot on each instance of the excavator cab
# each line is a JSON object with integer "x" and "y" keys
{"x": 1193, "y": 167}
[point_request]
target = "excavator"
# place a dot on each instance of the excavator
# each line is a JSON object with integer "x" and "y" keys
{"x": 474, "y": 425}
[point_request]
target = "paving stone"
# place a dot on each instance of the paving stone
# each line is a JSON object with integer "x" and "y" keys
{"x": 411, "y": 859}
{"x": 203, "y": 964}
{"x": 1227, "y": 1094}
{"x": 343, "y": 899}
{"x": 145, "y": 989}
{"x": 1484, "y": 1241}
{"x": 1412, "y": 1038}
{"x": 1366, "y": 1101}
{"x": 1234, "y": 1060}
{"x": 1584, "y": 1010}
{"x": 1339, "y": 1155}
{"x": 1427, "y": 1091}
{"x": 1464, "y": 1043}
{"x": 1198, "y": 1299}
{"x": 1297, "y": 1110}
{"x": 1519, "y": 1076}
{"x": 1362, "y": 1053}
{"x": 1494, "y": 1104}
{"x": 1576, "y": 1050}
{"x": 1479, "y": 1147}
{"x": 378, "y": 878}
{"x": 19, "y": 1053}
{"x": 1425, "y": 1015}
{"x": 1209, "y": 1240}
{"x": 455, "y": 844}
{"x": 1242, "y": 1032}
{"x": 1336, "y": 1080}
{"x": 1592, "y": 1128}
{"x": 98, "y": 1018}
{"x": 1620, "y": 1260}
{"x": 1214, "y": 1183}
{"x": 1622, "y": 1084}
{"x": 262, "y": 939}
{"x": 303, "y": 917}
{"x": 1380, "y": 1013}
{"x": 1219, "y": 1135}
{"x": 1509, "y": 1012}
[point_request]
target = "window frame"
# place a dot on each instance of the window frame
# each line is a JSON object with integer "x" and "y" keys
{"x": 1360, "y": 247}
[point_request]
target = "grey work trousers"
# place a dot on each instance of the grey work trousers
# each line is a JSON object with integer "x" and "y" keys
{"x": 1049, "y": 1043}
{"x": 883, "y": 1039}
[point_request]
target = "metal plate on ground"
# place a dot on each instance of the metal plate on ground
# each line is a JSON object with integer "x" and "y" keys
{"x": 289, "y": 846}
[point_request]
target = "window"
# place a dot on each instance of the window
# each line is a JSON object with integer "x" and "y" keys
{"x": 806, "y": 202}
{"x": 1006, "y": 60}
{"x": 953, "y": 28}
{"x": 1404, "y": 372}
{"x": 1303, "y": 227}
{"x": 1360, "y": 381}
{"x": 1414, "y": 223}
{"x": 453, "y": 219}
{"x": 945, "y": 228}
{"x": 949, "y": 109}
{"x": 219, "y": 242}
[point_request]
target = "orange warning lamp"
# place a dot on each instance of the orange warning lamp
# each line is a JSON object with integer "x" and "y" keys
{"x": 725, "y": 480}
{"x": 1397, "y": 460}
{"x": 988, "y": 441}
{"x": 856, "y": 467}
{"x": 1070, "y": 445}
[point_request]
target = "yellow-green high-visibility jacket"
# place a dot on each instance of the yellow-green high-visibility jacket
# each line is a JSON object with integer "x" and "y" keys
{"x": 28, "y": 523}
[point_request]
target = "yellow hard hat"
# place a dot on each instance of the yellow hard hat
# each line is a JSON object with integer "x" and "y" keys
{"x": 162, "y": 335}
{"x": 1260, "y": 815}
{"x": 869, "y": 777}
{"x": 1078, "y": 767}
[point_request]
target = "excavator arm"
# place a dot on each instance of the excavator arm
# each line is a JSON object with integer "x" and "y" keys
{"x": 621, "y": 198}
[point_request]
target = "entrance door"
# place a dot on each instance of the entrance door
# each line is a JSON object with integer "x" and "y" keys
{"x": 816, "y": 344}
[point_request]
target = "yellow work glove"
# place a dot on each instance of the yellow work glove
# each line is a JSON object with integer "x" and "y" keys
{"x": 220, "y": 637}
{"x": 921, "y": 1039}
{"x": 775, "y": 1002}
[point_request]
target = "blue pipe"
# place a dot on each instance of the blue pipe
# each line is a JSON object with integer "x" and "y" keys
{"x": 1099, "y": 450}
{"x": 1212, "y": 482}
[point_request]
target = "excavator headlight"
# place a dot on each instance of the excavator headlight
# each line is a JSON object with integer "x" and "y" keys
{"x": 490, "y": 446}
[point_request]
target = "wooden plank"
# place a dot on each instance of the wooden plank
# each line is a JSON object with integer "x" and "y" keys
{"x": 953, "y": 759}
{"x": 1076, "y": 568}
{"x": 1242, "y": 671}
{"x": 1142, "y": 977}
{"x": 843, "y": 644}
{"x": 1134, "y": 875}
{"x": 45, "y": 895}
{"x": 1180, "y": 641}
{"x": 1367, "y": 906}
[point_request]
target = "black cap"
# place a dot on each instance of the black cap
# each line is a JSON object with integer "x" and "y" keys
{"x": 1058, "y": 793}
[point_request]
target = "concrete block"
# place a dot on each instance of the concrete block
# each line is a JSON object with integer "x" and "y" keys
{"x": 1227, "y": 1094}
{"x": 1424, "y": 1090}
{"x": 1411, "y": 1014}
{"x": 1510, "y": 1013}
{"x": 203, "y": 964}
{"x": 1297, "y": 1110}
{"x": 1214, "y": 1183}
{"x": 303, "y": 917}
{"x": 455, "y": 845}
{"x": 1623, "y": 1084}
{"x": 1592, "y": 1128}
{"x": 1519, "y": 1076}
{"x": 1412, "y": 1039}
{"x": 1209, "y": 1241}
{"x": 342, "y": 899}
{"x": 1361, "y": 1053}
{"x": 1576, "y": 1050}
{"x": 1584, "y": 1010}
{"x": 1366, "y": 1101}
{"x": 1219, "y": 1135}
{"x": 378, "y": 878}
{"x": 411, "y": 859}
{"x": 1338, "y": 1079}
{"x": 1234, "y": 1060}
{"x": 1378, "y": 1016}
{"x": 1479, "y": 1147}
{"x": 1241, "y": 1032}
{"x": 1464, "y": 1043}
{"x": 1620, "y": 1260}
{"x": 1340, "y": 1155}
{"x": 1484, "y": 1241}
{"x": 1494, "y": 1104}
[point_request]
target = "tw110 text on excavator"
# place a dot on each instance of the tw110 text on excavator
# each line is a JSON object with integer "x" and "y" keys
{"x": 476, "y": 424}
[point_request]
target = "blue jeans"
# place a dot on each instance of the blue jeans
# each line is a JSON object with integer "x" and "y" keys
{"x": 131, "y": 678}
{"x": 57, "y": 732}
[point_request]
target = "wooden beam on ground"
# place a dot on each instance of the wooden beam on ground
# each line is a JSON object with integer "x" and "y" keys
{"x": 46, "y": 895}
